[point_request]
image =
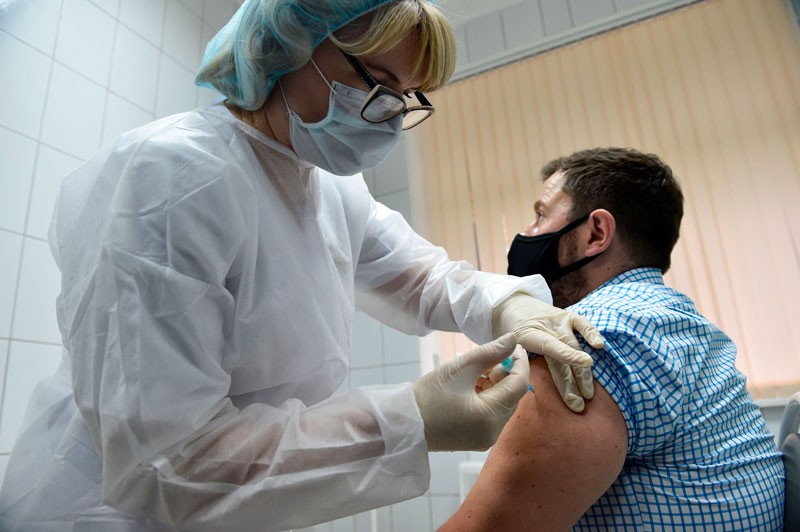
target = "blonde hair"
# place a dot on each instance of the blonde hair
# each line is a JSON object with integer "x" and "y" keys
{"x": 267, "y": 39}
{"x": 384, "y": 27}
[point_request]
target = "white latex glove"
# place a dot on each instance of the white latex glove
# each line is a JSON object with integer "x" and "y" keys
{"x": 544, "y": 329}
{"x": 456, "y": 417}
{"x": 574, "y": 383}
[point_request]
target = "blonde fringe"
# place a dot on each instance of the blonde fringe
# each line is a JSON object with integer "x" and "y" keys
{"x": 382, "y": 29}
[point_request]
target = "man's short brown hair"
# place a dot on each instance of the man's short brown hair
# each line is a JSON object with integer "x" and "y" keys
{"x": 638, "y": 189}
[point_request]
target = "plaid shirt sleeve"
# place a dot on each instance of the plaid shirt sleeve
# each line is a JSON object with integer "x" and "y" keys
{"x": 699, "y": 454}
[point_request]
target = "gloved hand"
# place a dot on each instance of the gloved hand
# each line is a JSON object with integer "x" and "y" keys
{"x": 543, "y": 329}
{"x": 458, "y": 419}
{"x": 574, "y": 383}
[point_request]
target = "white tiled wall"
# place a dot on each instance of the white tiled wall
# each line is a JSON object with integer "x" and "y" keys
{"x": 26, "y": 365}
{"x": 74, "y": 74}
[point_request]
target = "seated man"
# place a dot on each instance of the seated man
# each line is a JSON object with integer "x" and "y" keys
{"x": 672, "y": 438}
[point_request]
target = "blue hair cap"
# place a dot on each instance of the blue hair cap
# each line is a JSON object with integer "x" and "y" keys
{"x": 266, "y": 39}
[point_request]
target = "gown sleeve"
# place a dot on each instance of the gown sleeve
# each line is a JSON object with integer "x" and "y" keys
{"x": 408, "y": 283}
{"x": 145, "y": 313}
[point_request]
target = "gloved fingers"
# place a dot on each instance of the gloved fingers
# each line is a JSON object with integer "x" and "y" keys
{"x": 571, "y": 340}
{"x": 473, "y": 363}
{"x": 565, "y": 384}
{"x": 585, "y": 381}
{"x": 520, "y": 366}
{"x": 489, "y": 377}
{"x": 497, "y": 374}
{"x": 544, "y": 343}
{"x": 588, "y": 331}
{"x": 511, "y": 387}
{"x": 483, "y": 383}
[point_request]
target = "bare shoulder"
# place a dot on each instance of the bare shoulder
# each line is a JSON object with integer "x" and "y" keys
{"x": 549, "y": 465}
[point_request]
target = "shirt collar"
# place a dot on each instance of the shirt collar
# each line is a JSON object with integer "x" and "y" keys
{"x": 636, "y": 275}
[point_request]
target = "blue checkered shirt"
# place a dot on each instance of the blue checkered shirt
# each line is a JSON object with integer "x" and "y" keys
{"x": 699, "y": 454}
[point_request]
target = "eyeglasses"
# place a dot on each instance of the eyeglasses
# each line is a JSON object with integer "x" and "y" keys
{"x": 383, "y": 103}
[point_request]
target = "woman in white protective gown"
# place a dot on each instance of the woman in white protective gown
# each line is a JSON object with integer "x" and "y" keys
{"x": 211, "y": 265}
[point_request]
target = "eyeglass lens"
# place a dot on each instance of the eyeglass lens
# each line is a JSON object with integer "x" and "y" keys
{"x": 414, "y": 116}
{"x": 383, "y": 107}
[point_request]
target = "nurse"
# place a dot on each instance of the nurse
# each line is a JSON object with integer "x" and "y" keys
{"x": 211, "y": 265}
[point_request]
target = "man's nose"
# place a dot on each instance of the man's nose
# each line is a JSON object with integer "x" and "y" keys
{"x": 528, "y": 230}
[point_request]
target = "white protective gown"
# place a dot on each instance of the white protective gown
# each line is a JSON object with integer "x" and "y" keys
{"x": 209, "y": 283}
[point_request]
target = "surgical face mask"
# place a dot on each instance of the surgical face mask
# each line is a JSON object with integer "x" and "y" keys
{"x": 343, "y": 143}
{"x": 539, "y": 254}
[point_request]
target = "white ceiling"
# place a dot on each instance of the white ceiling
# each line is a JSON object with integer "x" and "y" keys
{"x": 459, "y": 11}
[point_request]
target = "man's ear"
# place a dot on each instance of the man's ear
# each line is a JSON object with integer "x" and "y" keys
{"x": 602, "y": 231}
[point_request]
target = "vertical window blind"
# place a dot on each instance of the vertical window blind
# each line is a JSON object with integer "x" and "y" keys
{"x": 714, "y": 90}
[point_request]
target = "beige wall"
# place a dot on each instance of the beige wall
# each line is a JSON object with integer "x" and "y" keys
{"x": 714, "y": 89}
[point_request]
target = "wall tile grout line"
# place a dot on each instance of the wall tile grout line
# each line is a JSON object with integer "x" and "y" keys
{"x": 203, "y": 25}
{"x": 26, "y": 44}
{"x": 86, "y": 78}
{"x": 27, "y": 214}
{"x": 108, "y": 77}
{"x": 12, "y": 232}
{"x": 102, "y": 8}
{"x": 29, "y": 341}
{"x": 160, "y": 56}
{"x": 119, "y": 22}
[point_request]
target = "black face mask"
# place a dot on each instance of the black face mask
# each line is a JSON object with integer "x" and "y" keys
{"x": 539, "y": 254}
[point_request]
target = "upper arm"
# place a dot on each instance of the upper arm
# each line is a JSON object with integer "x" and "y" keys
{"x": 549, "y": 464}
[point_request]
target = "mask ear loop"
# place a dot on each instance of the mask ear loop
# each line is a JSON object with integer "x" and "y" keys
{"x": 322, "y": 75}
{"x": 577, "y": 265}
{"x": 283, "y": 94}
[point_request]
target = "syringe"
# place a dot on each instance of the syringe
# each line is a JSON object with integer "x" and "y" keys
{"x": 507, "y": 364}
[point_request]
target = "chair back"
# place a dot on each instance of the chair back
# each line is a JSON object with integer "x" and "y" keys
{"x": 789, "y": 441}
{"x": 791, "y": 418}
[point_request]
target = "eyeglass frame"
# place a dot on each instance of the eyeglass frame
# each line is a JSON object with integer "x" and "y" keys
{"x": 377, "y": 88}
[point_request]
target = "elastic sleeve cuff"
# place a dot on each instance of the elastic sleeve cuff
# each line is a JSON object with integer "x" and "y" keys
{"x": 406, "y": 454}
{"x": 496, "y": 289}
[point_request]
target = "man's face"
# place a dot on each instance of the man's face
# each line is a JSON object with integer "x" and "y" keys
{"x": 552, "y": 209}
{"x": 552, "y": 213}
